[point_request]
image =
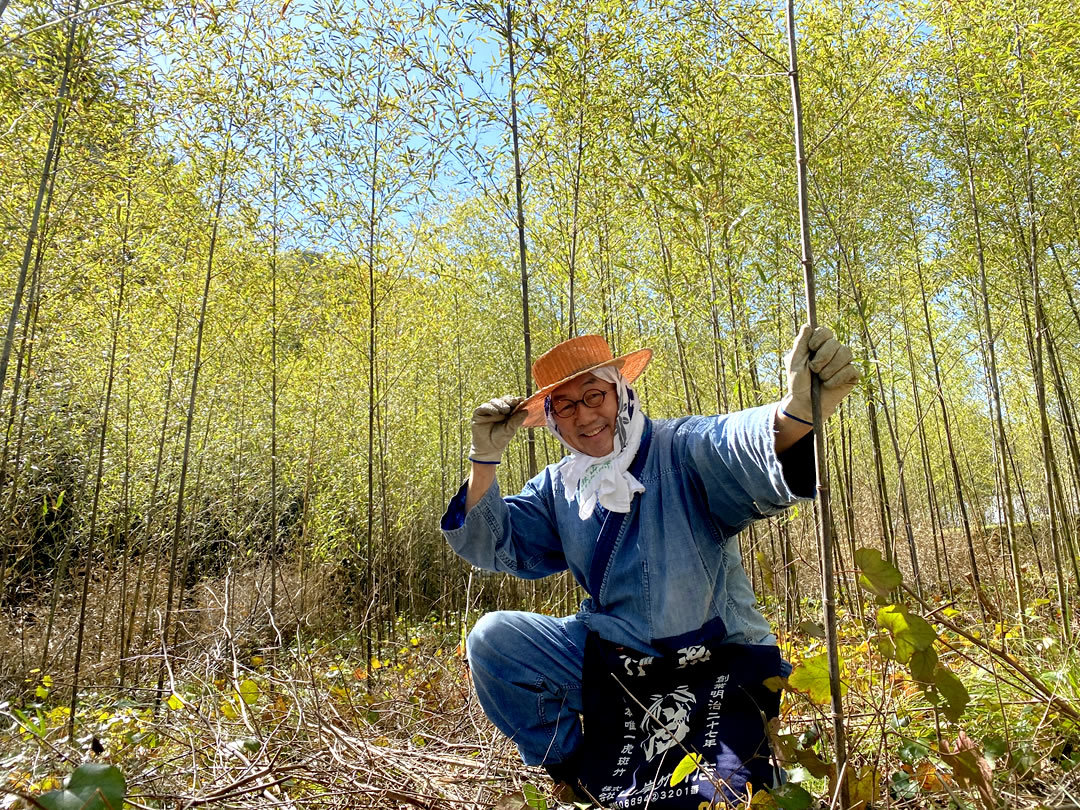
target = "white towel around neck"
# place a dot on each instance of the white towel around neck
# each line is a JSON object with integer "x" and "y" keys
{"x": 605, "y": 480}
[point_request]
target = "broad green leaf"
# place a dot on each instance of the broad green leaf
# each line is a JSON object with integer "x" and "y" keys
{"x": 922, "y": 664}
{"x": 687, "y": 765}
{"x": 1022, "y": 760}
{"x": 911, "y": 751}
{"x": 790, "y": 796}
{"x": 885, "y": 647}
{"x": 763, "y": 800}
{"x": 879, "y": 576}
{"x": 787, "y": 743}
{"x": 249, "y": 691}
{"x": 994, "y": 748}
{"x": 809, "y": 759}
{"x": 798, "y": 775}
{"x": 533, "y": 797}
{"x": 953, "y": 691}
{"x": 91, "y": 786}
{"x": 910, "y": 633}
{"x": 902, "y": 786}
{"x": 775, "y": 683}
{"x": 812, "y": 678}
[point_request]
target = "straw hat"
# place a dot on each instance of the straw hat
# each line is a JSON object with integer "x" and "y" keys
{"x": 571, "y": 359}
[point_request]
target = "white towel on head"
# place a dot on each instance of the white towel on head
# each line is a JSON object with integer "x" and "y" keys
{"x": 605, "y": 480}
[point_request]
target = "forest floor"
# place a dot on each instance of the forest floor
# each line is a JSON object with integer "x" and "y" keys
{"x": 295, "y": 721}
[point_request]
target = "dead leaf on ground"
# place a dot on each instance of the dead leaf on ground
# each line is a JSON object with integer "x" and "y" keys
{"x": 971, "y": 770}
{"x": 930, "y": 779}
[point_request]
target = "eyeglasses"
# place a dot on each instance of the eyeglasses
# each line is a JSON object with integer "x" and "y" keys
{"x": 565, "y": 408}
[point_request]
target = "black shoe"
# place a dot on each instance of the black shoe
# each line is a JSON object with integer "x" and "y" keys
{"x": 565, "y": 776}
{"x": 563, "y": 772}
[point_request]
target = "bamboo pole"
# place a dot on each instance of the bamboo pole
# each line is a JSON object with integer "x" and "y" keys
{"x": 88, "y": 553}
{"x": 530, "y": 439}
{"x": 44, "y": 184}
{"x": 369, "y": 543}
{"x": 825, "y": 532}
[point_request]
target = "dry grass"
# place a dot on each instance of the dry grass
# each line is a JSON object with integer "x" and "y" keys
{"x": 319, "y": 727}
{"x": 288, "y": 712}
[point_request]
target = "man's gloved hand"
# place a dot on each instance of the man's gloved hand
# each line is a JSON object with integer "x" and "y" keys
{"x": 818, "y": 351}
{"x": 493, "y": 426}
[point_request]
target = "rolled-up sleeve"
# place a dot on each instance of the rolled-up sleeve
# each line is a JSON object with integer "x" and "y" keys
{"x": 741, "y": 475}
{"x": 514, "y": 535}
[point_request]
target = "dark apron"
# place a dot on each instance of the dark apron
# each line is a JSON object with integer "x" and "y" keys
{"x": 643, "y": 715}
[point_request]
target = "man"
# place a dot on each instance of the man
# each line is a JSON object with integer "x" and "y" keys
{"x": 676, "y": 492}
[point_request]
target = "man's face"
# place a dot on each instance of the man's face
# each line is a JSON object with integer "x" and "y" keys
{"x": 588, "y": 430}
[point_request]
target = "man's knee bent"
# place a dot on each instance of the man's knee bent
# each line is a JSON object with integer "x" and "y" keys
{"x": 488, "y": 638}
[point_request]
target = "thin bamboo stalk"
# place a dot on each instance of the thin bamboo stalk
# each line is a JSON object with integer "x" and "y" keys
{"x": 825, "y": 534}
{"x": 178, "y": 522}
{"x": 88, "y": 551}
{"x": 984, "y": 305}
{"x": 530, "y": 438}
{"x": 369, "y": 550}
{"x": 43, "y": 185}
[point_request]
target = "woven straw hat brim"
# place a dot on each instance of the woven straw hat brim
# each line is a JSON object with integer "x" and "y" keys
{"x": 630, "y": 365}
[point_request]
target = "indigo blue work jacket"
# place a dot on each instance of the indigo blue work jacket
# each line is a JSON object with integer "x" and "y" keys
{"x": 676, "y": 564}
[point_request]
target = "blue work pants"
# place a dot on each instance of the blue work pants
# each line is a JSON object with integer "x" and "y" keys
{"x": 526, "y": 669}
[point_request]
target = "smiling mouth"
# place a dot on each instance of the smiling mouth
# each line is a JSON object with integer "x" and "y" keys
{"x": 590, "y": 434}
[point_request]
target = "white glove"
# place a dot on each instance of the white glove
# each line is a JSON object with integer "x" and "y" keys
{"x": 493, "y": 426}
{"x": 819, "y": 352}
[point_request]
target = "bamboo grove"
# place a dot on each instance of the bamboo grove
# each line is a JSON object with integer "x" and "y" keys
{"x": 263, "y": 259}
